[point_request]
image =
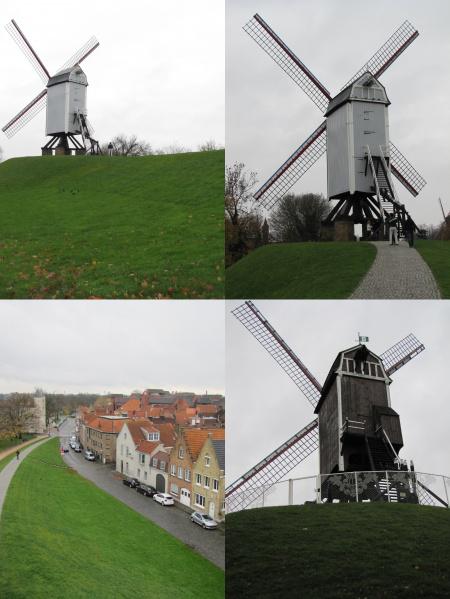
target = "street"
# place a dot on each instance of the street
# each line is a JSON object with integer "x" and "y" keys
{"x": 209, "y": 543}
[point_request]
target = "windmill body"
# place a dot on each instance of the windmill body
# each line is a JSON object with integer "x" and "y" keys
{"x": 357, "y": 121}
{"x": 66, "y": 99}
{"x": 358, "y": 429}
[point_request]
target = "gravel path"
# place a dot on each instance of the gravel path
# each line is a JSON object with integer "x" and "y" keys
{"x": 398, "y": 272}
{"x": 10, "y": 469}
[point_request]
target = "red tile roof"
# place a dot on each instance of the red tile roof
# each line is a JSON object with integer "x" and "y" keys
{"x": 147, "y": 446}
{"x": 130, "y": 406}
{"x": 195, "y": 438}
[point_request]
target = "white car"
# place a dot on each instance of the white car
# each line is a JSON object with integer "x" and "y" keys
{"x": 89, "y": 455}
{"x": 164, "y": 498}
{"x": 203, "y": 520}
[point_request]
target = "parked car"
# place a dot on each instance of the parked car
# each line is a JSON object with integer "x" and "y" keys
{"x": 72, "y": 444}
{"x": 146, "y": 490}
{"x": 163, "y": 498}
{"x": 77, "y": 448}
{"x": 89, "y": 455}
{"x": 130, "y": 482}
{"x": 203, "y": 520}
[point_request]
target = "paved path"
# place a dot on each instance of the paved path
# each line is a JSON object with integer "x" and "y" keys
{"x": 398, "y": 272}
{"x": 209, "y": 543}
{"x": 10, "y": 450}
{"x": 9, "y": 470}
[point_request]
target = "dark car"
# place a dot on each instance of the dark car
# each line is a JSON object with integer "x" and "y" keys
{"x": 130, "y": 482}
{"x": 146, "y": 490}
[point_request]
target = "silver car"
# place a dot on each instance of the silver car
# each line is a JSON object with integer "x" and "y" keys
{"x": 203, "y": 520}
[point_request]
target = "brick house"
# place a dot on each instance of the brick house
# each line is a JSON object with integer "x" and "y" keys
{"x": 183, "y": 457}
{"x": 208, "y": 486}
{"x": 99, "y": 434}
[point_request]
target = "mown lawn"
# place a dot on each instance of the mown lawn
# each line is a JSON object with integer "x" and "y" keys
{"x": 437, "y": 255}
{"x": 60, "y": 536}
{"x": 339, "y": 551}
{"x": 310, "y": 270}
{"x": 112, "y": 227}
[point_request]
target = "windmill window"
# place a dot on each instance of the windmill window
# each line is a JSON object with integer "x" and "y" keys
{"x": 368, "y": 132}
{"x": 373, "y": 369}
{"x": 366, "y": 368}
{"x": 380, "y": 374}
{"x": 368, "y": 115}
{"x": 351, "y": 366}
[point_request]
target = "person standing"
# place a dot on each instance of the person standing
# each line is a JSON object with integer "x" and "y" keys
{"x": 393, "y": 234}
{"x": 409, "y": 230}
{"x": 17, "y": 454}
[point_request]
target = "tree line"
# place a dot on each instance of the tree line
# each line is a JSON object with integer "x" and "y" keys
{"x": 123, "y": 145}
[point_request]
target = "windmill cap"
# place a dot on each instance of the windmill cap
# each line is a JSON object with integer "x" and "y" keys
{"x": 350, "y": 94}
{"x": 74, "y": 74}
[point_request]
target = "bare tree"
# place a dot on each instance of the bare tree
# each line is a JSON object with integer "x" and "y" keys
{"x": 238, "y": 192}
{"x": 299, "y": 217}
{"x": 16, "y": 414}
{"x": 173, "y": 149}
{"x": 128, "y": 146}
{"x": 209, "y": 146}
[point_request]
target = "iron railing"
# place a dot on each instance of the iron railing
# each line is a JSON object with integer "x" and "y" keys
{"x": 392, "y": 486}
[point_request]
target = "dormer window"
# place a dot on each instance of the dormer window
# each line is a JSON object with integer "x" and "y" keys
{"x": 153, "y": 436}
{"x": 207, "y": 461}
{"x": 181, "y": 453}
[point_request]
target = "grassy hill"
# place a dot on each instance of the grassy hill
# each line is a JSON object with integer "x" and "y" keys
{"x": 339, "y": 551}
{"x": 310, "y": 270}
{"x": 112, "y": 227}
{"x": 437, "y": 255}
{"x": 61, "y": 536}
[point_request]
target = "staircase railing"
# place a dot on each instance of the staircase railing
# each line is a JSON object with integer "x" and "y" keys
{"x": 375, "y": 178}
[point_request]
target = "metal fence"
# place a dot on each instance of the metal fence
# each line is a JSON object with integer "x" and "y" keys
{"x": 393, "y": 486}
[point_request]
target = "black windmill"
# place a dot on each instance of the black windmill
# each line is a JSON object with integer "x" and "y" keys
{"x": 355, "y": 430}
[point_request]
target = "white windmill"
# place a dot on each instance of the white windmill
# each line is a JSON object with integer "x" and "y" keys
{"x": 361, "y": 158}
{"x": 65, "y": 98}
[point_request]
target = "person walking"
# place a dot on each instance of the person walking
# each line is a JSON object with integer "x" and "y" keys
{"x": 17, "y": 454}
{"x": 393, "y": 234}
{"x": 409, "y": 230}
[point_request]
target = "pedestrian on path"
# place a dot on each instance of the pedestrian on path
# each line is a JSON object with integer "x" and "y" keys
{"x": 393, "y": 235}
{"x": 17, "y": 454}
{"x": 409, "y": 230}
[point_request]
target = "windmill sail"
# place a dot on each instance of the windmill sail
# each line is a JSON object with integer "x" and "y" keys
{"x": 16, "y": 33}
{"x": 250, "y": 486}
{"x": 273, "y": 343}
{"x": 81, "y": 54}
{"x": 269, "y": 41}
{"x": 401, "y": 353}
{"x": 25, "y": 115}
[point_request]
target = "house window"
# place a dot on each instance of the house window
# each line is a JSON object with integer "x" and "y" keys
{"x": 153, "y": 436}
{"x": 155, "y": 462}
{"x": 215, "y": 484}
{"x": 126, "y": 466}
{"x": 162, "y": 465}
{"x": 145, "y": 474}
{"x": 180, "y": 472}
{"x": 142, "y": 456}
{"x": 198, "y": 479}
{"x": 223, "y": 505}
{"x": 207, "y": 482}
{"x": 139, "y": 473}
{"x": 187, "y": 474}
{"x": 174, "y": 489}
{"x": 173, "y": 470}
{"x": 200, "y": 500}
{"x": 181, "y": 452}
{"x": 207, "y": 461}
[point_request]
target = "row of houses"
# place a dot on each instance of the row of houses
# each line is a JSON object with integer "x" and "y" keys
{"x": 186, "y": 461}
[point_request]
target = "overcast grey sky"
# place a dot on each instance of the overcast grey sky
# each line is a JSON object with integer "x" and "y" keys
{"x": 268, "y": 116}
{"x": 264, "y": 407}
{"x": 115, "y": 346}
{"x": 158, "y": 73}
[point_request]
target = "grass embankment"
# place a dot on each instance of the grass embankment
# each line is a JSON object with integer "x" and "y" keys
{"x": 310, "y": 270}
{"x": 5, "y": 461}
{"x": 339, "y": 551}
{"x": 112, "y": 227}
{"x": 437, "y": 255}
{"x": 13, "y": 441}
{"x": 60, "y": 536}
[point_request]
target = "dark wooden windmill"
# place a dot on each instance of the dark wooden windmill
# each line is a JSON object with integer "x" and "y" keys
{"x": 64, "y": 97}
{"x": 361, "y": 159}
{"x": 356, "y": 428}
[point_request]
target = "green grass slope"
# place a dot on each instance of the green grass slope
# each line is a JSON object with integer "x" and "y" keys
{"x": 300, "y": 271}
{"x": 339, "y": 551}
{"x": 112, "y": 227}
{"x": 60, "y": 536}
{"x": 437, "y": 255}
